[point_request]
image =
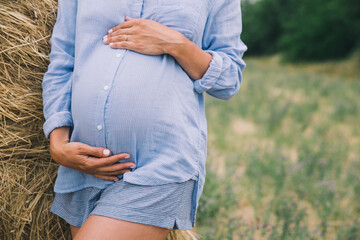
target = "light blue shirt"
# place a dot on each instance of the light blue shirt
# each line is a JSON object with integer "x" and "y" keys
{"x": 144, "y": 105}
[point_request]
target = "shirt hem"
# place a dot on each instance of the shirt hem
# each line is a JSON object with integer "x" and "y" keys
{"x": 134, "y": 180}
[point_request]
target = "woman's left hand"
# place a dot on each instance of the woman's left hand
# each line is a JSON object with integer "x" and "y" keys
{"x": 144, "y": 36}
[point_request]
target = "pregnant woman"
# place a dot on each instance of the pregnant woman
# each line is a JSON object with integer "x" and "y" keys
{"x": 125, "y": 113}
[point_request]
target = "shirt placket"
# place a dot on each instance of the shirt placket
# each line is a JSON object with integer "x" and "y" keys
{"x": 100, "y": 136}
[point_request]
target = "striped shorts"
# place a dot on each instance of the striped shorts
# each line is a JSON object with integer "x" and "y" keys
{"x": 168, "y": 205}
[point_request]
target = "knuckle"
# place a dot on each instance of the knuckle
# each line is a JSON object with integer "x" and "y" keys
{"x": 142, "y": 22}
{"x": 79, "y": 148}
{"x": 137, "y": 29}
{"x": 87, "y": 166}
{"x": 83, "y": 167}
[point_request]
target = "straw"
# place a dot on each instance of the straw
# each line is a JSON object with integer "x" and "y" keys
{"x": 27, "y": 171}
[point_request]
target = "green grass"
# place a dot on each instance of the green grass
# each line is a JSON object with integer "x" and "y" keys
{"x": 284, "y": 154}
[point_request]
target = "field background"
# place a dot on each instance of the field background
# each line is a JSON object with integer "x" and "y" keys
{"x": 283, "y": 154}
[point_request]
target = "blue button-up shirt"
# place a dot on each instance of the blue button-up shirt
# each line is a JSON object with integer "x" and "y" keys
{"x": 129, "y": 102}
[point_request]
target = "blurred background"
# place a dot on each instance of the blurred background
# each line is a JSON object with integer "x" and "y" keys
{"x": 307, "y": 30}
{"x": 283, "y": 153}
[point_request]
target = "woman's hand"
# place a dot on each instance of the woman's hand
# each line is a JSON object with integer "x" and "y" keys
{"x": 150, "y": 37}
{"x": 82, "y": 157}
{"x": 144, "y": 36}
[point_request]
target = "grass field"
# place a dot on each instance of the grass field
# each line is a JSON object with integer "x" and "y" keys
{"x": 284, "y": 154}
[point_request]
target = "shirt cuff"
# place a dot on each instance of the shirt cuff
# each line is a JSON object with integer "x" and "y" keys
{"x": 211, "y": 75}
{"x": 57, "y": 120}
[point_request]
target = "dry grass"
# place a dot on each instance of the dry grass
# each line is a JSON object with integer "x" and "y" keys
{"x": 27, "y": 172}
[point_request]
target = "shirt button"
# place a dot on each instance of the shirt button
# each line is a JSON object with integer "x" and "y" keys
{"x": 99, "y": 127}
{"x": 118, "y": 55}
{"x": 106, "y": 87}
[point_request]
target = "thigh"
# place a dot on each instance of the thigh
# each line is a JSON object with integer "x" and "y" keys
{"x": 98, "y": 227}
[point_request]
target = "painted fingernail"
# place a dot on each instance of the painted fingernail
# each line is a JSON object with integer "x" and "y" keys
{"x": 105, "y": 38}
{"x": 128, "y": 156}
{"x": 115, "y": 180}
{"x": 111, "y": 43}
{"x": 110, "y": 30}
{"x": 106, "y": 152}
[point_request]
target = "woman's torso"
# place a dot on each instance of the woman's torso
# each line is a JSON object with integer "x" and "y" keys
{"x": 140, "y": 104}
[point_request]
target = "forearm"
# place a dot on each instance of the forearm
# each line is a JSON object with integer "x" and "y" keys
{"x": 190, "y": 57}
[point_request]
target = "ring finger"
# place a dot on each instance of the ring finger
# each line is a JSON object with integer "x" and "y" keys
{"x": 117, "y": 36}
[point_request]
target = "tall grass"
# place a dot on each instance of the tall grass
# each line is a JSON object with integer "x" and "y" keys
{"x": 284, "y": 154}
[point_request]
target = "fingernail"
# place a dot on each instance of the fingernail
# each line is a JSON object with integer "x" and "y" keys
{"x": 128, "y": 156}
{"x": 110, "y": 30}
{"x": 111, "y": 43}
{"x": 105, "y": 38}
{"x": 106, "y": 152}
{"x": 115, "y": 180}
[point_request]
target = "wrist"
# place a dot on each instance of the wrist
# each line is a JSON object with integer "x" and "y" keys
{"x": 58, "y": 138}
{"x": 178, "y": 46}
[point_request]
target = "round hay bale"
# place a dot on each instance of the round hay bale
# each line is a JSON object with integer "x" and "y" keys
{"x": 27, "y": 171}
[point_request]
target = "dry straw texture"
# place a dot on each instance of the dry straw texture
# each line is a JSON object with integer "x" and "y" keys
{"x": 27, "y": 172}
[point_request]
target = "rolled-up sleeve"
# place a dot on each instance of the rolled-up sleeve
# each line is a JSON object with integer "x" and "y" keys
{"x": 221, "y": 39}
{"x": 56, "y": 84}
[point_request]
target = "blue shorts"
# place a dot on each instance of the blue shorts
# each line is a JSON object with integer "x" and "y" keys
{"x": 167, "y": 205}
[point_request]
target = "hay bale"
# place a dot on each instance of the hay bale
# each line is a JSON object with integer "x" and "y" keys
{"x": 27, "y": 171}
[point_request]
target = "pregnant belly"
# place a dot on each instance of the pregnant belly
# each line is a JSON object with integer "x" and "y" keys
{"x": 151, "y": 109}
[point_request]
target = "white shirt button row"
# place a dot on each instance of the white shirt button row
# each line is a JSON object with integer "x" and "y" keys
{"x": 118, "y": 55}
{"x": 99, "y": 127}
{"x": 106, "y": 87}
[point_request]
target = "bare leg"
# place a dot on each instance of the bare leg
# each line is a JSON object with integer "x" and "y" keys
{"x": 99, "y": 227}
{"x": 74, "y": 230}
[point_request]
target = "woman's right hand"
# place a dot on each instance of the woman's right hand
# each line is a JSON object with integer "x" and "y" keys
{"x": 88, "y": 159}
